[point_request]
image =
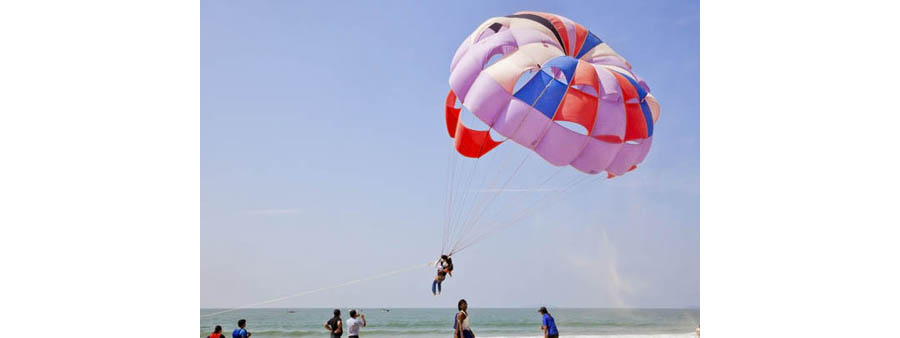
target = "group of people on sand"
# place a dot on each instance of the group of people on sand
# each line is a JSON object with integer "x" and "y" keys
{"x": 462, "y": 328}
{"x": 335, "y": 326}
{"x": 239, "y": 332}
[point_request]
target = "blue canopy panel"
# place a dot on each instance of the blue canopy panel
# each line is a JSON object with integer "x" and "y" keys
{"x": 549, "y": 102}
{"x": 590, "y": 42}
{"x": 533, "y": 89}
{"x": 647, "y": 117}
{"x": 565, "y": 63}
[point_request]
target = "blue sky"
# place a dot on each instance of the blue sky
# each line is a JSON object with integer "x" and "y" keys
{"x": 324, "y": 159}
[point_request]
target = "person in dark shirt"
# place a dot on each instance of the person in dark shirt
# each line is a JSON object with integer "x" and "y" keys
{"x": 447, "y": 264}
{"x": 548, "y": 324}
{"x": 240, "y": 332}
{"x": 334, "y": 325}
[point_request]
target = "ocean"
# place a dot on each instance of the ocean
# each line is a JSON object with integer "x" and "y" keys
{"x": 427, "y": 323}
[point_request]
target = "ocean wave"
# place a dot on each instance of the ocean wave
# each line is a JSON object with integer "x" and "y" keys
{"x": 322, "y": 332}
{"x": 666, "y": 335}
{"x": 388, "y": 333}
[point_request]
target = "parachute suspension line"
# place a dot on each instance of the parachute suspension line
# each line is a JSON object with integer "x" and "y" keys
{"x": 546, "y": 129}
{"x": 471, "y": 197}
{"x": 551, "y": 200}
{"x": 309, "y": 292}
{"x": 476, "y": 213}
{"x": 465, "y": 192}
{"x": 460, "y": 233}
{"x": 497, "y": 225}
{"x": 451, "y": 165}
{"x": 457, "y": 174}
{"x": 522, "y": 198}
{"x": 460, "y": 176}
{"x": 500, "y": 190}
{"x": 529, "y": 210}
{"x": 482, "y": 192}
{"x": 464, "y": 196}
{"x": 457, "y": 226}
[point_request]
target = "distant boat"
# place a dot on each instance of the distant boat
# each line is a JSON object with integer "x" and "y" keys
{"x": 292, "y": 311}
{"x": 386, "y": 310}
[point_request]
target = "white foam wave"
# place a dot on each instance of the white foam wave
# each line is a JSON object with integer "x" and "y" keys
{"x": 664, "y": 335}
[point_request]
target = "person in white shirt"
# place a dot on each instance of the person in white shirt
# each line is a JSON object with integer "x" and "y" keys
{"x": 354, "y": 323}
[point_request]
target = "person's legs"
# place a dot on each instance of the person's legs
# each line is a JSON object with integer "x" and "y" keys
{"x": 439, "y": 287}
{"x": 434, "y": 287}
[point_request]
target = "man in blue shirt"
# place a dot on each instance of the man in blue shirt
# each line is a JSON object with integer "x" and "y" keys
{"x": 240, "y": 332}
{"x": 548, "y": 324}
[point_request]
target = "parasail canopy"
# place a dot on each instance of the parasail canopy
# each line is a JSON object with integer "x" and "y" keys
{"x": 523, "y": 74}
{"x": 554, "y": 89}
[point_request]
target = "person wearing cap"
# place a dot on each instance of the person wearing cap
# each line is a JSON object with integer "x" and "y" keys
{"x": 548, "y": 324}
{"x": 354, "y": 323}
{"x": 334, "y": 325}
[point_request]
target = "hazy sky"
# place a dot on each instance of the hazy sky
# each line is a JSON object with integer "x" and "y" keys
{"x": 324, "y": 160}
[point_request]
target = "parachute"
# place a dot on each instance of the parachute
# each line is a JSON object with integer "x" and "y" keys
{"x": 554, "y": 89}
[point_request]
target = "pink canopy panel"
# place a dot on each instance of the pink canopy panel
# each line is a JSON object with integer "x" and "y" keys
{"x": 549, "y": 69}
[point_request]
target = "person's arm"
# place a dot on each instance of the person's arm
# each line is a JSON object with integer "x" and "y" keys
{"x": 363, "y": 318}
{"x": 327, "y": 327}
{"x": 458, "y": 332}
{"x": 545, "y": 326}
{"x": 340, "y": 327}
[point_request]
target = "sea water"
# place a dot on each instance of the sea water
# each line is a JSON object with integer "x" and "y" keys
{"x": 485, "y": 322}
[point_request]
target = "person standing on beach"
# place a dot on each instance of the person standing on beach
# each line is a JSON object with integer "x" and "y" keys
{"x": 240, "y": 332}
{"x": 461, "y": 326}
{"x": 217, "y": 333}
{"x": 334, "y": 325}
{"x": 548, "y": 324}
{"x": 354, "y": 323}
